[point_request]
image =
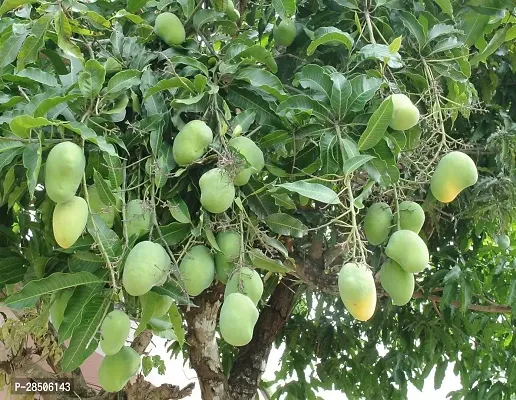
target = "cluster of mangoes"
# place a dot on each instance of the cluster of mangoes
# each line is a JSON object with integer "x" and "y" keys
{"x": 217, "y": 185}
{"x": 64, "y": 171}
{"x": 244, "y": 286}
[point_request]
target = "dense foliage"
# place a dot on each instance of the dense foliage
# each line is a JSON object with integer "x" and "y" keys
{"x": 101, "y": 75}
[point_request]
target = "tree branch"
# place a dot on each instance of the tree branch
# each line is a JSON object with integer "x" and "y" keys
{"x": 251, "y": 360}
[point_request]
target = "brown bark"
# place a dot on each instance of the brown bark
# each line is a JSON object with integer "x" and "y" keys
{"x": 203, "y": 349}
{"x": 251, "y": 360}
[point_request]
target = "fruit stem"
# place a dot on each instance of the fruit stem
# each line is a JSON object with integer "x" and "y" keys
{"x": 397, "y": 207}
{"x": 354, "y": 226}
{"x": 124, "y": 214}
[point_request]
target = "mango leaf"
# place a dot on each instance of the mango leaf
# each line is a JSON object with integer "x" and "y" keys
{"x": 284, "y": 224}
{"x": 12, "y": 270}
{"x": 376, "y": 126}
{"x": 276, "y": 244}
{"x": 261, "y": 261}
{"x": 85, "y": 261}
{"x": 48, "y": 104}
{"x": 89, "y": 135}
{"x": 76, "y": 304}
{"x": 64, "y": 33}
{"x": 245, "y": 119}
{"x": 414, "y": 27}
{"x": 22, "y": 124}
{"x": 205, "y": 16}
{"x": 446, "y": 44}
{"x": 172, "y": 289}
{"x": 314, "y": 191}
{"x": 440, "y": 372}
{"x": 135, "y": 5}
{"x": 190, "y": 61}
{"x": 260, "y": 54}
{"x": 283, "y": 200}
{"x": 303, "y": 103}
{"x": 84, "y": 341}
{"x": 493, "y": 45}
{"x": 383, "y": 53}
{"x": 172, "y": 83}
{"x": 446, "y": 6}
{"x": 10, "y": 48}
{"x": 37, "y": 75}
{"x": 354, "y": 163}
{"x": 314, "y": 77}
{"x": 29, "y": 51}
{"x": 284, "y": 8}
{"x": 440, "y": 30}
{"x": 329, "y": 34}
{"x": 472, "y": 24}
{"x": 32, "y": 291}
{"x": 245, "y": 99}
{"x": 175, "y": 232}
{"x": 177, "y": 324}
{"x": 115, "y": 173}
{"x": 91, "y": 79}
{"x": 363, "y": 89}
{"x": 8, "y": 156}
{"x": 148, "y": 306}
{"x": 340, "y": 93}
{"x": 8, "y": 5}
{"x": 121, "y": 81}
{"x": 104, "y": 191}
{"x": 32, "y": 163}
{"x": 264, "y": 80}
{"x": 179, "y": 210}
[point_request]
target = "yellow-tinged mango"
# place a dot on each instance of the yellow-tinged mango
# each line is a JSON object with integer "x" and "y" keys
{"x": 408, "y": 250}
{"x": 455, "y": 172}
{"x": 405, "y": 115}
{"x": 69, "y": 220}
{"x": 357, "y": 290}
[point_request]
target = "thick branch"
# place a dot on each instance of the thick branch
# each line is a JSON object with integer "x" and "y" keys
{"x": 203, "y": 348}
{"x": 143, "y": 390}
{"x": 252, "y": 359}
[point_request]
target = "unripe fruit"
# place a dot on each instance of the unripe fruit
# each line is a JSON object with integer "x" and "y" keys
{"x": 59, "y": 302}
{"x": 147, "y": 265}
{"x": 115, "y": 330}
{"x": 238, "y": 316}
{"x": 138, "y": 218}
{"x": 412, "y": 216}
{"x": 107, "y": 213}
{"x": 229, "y": 245}
{"x": 162, "y": 303}
{"x": 217, "y": 190}
{"x": 405, "y": 115}
{"x": 398, "y": 283}
{"x": 69, "y": 220}
{"x": 455, "y": 172}
{"x": 246, "y": 281}
{"x": 223, "y": 268}
{"x": 191, "y": 142}
{"x": 197, "y": 269}
{"x": 408, "y": 250}
{"x": 252, "y": 153}
{"x": 116, "y": 370}
{"x": 377, "y": 223}
{"x": 285, "y": 32}
{"x": 169, "y": 29}
{"x": 503, "y": 241}
{"x": 357, "y": 291}
{"x": 63, "y": 171}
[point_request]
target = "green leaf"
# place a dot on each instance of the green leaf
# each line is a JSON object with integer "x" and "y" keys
{"x": 283, "y": 200}
{"x": 175, "y": 232}
{"x": 314, "y": 191}
{"x": 135, "y": 5}
{"x": 284, "y": 8}
{"x": 276, "y": 244}
{"x": 440, "y": 372}
{"x": 303, "y": 103}
{"x": 8, "y": 5}
{"x": 10, "y": 48}
{"x": 261, "y": 261}
{"x": 354, "y": 163}
{"x": 259, "y": 54}
{"x": 363, "y": 89}
{"x": 172, "y": 83}
{"x": 264, "y": 80}
{"x": 32, "y": 163}
{"x": 8, "y": 156}
{"x": 383, "y": 53}
{"x": 84, "y": 341}
{"x": 284, "y": 224}
{"x": 210, "y": 237}
{"x": 179, "y": 210}
{"x": 172, "y": 289}
{"x": 329, "y": 34}
{"x": 121, "y": 81}
{"x": 314, "y": 77}
{"x": 48, "y": 104}
{"x": 177, "y": 324}
{"x": 440, "y": 30}
{"x": 493, "y": 45}
{"x": 245, "y": 99}
{"x": 114, "y": 167}
{"x": 446, "y": 44}
{"x": 473, "y": 25}
{"x": 32, "y": 291}
{"x": 245, "y": 119}
{"x": 415, "y": 28}
{"x": 76, "y": 304}
{"x": 376, "y": 126}
{"x": 205, "y": 16}
{"x": 12, "y": 270}
{"x": 105, "y": 194}
{"x": 446, "y": 6}
{"x": 85, "y": 261}
{"x": 64, "y": 33}
{"x": 191, "y": 62}
{"x": 89, "y": 135}
{"x": 148, "y": 306}
{"x": 29, "y": 51}
{"x": 340, "y": 93}
{"x": 99, "y": 231}
{"x": 37, "y": 75}
{"x": 22, "y": 124}
{"x": 91, "y": 79}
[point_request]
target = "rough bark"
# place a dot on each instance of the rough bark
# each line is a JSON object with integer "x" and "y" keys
{"x": 251, "y": 360}
{"x": 203, "y": 348}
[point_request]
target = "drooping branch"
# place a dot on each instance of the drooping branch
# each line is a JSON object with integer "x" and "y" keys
{"x": 251, "y": 360}
{"x": 492, "y": 308}
{"x": 203, "y": 348}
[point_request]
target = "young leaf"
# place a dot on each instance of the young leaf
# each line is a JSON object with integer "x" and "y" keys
{"x": 284, "y": 224}
{"x": 32, "y": 291}
{"x": 376, "y": 126}
{"x": 314, "y": 191}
